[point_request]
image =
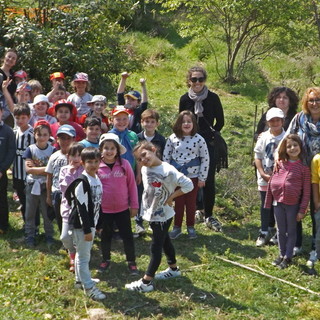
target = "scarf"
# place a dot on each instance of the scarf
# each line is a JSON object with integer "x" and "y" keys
{"x": 125, "y": 141}
{"x": 198, "y": 98}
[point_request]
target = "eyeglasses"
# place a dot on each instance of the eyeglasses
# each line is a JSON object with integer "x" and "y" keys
{"x": 314, "y": 101}
{"x": 195, "y": 79}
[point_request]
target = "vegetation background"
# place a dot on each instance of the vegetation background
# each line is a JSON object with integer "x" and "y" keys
{"x": 247, "y": 47}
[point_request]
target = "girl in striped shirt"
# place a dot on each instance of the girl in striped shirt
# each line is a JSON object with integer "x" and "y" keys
{"x": 289, "y": 193}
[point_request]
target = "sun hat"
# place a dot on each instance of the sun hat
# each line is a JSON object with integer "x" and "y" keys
{"x": 274, "y": 113}
{"x": 113, "y": 137}
{"x": 81, "y": 76}
{"x": 41, "y": 98}
{"x": 98, "y": 98}
{"x": 67, "y": 129}
{"x": 133, "y": 94}
{"x": 56, "y": 75}
{"x": 119, "y": 109}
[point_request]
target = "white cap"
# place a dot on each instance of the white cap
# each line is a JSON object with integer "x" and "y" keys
{"x": 114, "y": 137}
{"x": 274, "y": 113}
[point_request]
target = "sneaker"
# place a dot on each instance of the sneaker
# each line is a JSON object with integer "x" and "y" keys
{"x": 214, "y": 224}
{"x": 199, "y": 216}
{"x": 175, "y": 233}
{"x": 297, "y": 251}
{"x": 285, "y": 263}
{"x": 95, "y": 294}
{"x": 140, "y": 286}
{"x": 277, "y": 261}
{"x": 191, "y": 233}
{"x": 133, "y": 269}
{"x": 262, "y": 240}
{"x": 274, "y": 240}
{"x": 312, "y": 259}
{"x": 140, "y": 229}
{"x": 78, "y": 284}
{"x": 104, "y": 265}
{"x": 167, "y": 274}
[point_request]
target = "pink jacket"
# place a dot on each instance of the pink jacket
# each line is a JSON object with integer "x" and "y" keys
{"x": 119, "y": 187}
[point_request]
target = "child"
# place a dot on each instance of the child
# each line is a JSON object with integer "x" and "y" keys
{"x": 24, "y": 138}
{"x": 128, "y": 138}
{"x": 97, "y": 105}
{"x": 84, "y": 195}
{"x": 63, "y": 110}
{"x": 160, "y": 181}
{"x": 20, "y": 76}
{"x": 133, "y": 102}
{"x": 37, "y": 156}
{"x": 7, "y": 154}
{"x": 289, "y": 193}
{"x": 264, "y": 161}
{"x": 81, "y": 85}
{"x": 67, "y": 175}
{"x": 92, "y": 128}
{"x": 40, "y": 107}
{"x": 149, "y": 122}
{"x": 187, "y": 151}
{"x": 119, "y": 200}
{"x": 36, "y": 88}
{"x": 57, "y": 81}
{"x": 65, "y": 137}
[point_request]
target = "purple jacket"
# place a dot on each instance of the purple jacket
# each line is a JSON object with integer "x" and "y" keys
{"x": 119, "y": 187}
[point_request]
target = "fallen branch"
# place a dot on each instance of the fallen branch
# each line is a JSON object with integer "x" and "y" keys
{"x": 267, "y": 275}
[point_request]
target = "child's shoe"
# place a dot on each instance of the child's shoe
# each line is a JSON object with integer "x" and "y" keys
{"x": 95, "y": 294}
{"x": 285, "y": 263}
{"x": 263, "y": 239}
{"x": 140, "y": 286}
{"x": 277, "y": 261}
{"x": 214, "y": 224}
{"x": 297, "y": 251}
{"x": 191, "y": 233}
{"x": 312, "y": 259}
{"x": 133, "y": 269}
{"x": 199, "y": 216}
{"x": 168, "y": 273}
{"x": 104, "y": 265}
{"x": 175, "y": 233}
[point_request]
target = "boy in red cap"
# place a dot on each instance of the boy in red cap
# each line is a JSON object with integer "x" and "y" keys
{"x": 57, "y": 80}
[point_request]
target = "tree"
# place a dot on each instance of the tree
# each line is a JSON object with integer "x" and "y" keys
{"x": 244, "y": 23}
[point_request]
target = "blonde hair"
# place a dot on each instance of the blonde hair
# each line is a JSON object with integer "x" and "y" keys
{"x": 305, "y": 98}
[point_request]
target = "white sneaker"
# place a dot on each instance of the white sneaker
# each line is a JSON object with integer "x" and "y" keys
{"x": 312, "y": 259}
{"x": 139, "y": 286}
{"x": 167, "y": 274}
{"x": 297, "y": 251}
{"x": 95, "y": 294}
{"x": 262, "y": 240}
{"x": 140, "y": 229}
{"x": 78, "y": 284}
{"x": 199, "y": 216}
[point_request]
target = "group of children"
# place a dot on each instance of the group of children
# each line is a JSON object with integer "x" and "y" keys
{"x": 284, "y": 181}
{"x": 73, "y": 167}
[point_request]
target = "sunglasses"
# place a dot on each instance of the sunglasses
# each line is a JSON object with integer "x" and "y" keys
{"x": 195, "y": 79}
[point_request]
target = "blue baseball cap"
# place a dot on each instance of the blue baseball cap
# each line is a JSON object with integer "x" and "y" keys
{"x": 67, "y": 129}
{"x": 133, "y": 94}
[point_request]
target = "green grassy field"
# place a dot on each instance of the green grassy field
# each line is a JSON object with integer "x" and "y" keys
{"x": 36, "y": 284}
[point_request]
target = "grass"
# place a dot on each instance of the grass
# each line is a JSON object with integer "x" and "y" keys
{"x": 36, "y": 284}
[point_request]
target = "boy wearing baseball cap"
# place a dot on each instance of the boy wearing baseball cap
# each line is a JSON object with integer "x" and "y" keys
{"x": 133, "y": 101}
{"x": 264, "y": 160}
{"x": 57, "y": 81}
{"x": 65, "y": 137}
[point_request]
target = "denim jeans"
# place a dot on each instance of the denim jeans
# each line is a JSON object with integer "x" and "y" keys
{"x": 82, "y": 260}
{"x": 66, "y": 238}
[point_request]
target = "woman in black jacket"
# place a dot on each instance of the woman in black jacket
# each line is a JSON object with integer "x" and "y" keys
{"x": 208, "y": 110}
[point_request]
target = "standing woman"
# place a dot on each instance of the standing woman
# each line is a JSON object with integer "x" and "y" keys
{"x": 306, "y": 124}
{"x": 283, "y": 98}
{"x": 208, "y": 110}
{"x": 9, "y": 61}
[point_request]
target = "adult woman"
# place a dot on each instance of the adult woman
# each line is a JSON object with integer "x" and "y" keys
{"x": 307, "y": 125}
{"x": 9, "y": 61}
{"x": 285, "y": 99}
{"x": 208, "y": 110}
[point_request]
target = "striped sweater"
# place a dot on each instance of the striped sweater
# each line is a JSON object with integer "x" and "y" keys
{"x": 290, "y": 185}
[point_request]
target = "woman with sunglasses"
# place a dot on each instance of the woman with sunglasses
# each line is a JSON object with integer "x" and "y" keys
{"x": 208, "y": 110}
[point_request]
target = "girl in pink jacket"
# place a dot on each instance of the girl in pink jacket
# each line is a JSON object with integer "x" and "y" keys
{"x": 119, "y": 200}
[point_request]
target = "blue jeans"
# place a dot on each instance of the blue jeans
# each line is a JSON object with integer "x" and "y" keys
{"x": 83, "y": 254}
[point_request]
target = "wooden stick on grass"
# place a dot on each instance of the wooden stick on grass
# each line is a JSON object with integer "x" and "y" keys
{"x": 268, "y": 275}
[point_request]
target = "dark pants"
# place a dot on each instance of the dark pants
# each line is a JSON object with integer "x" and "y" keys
{"x": 265, "y": 214}
{"x": 19, "y": 185}
{"x": 56, "y": 202}
{"x": 4, "y": 209}
{"x": 209, "y": 190}
{"x": 138, "y": 217}
{"x": 123, "y": 222}
{"x": 160, "y": 240}
{"x": 286, "y": 217}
